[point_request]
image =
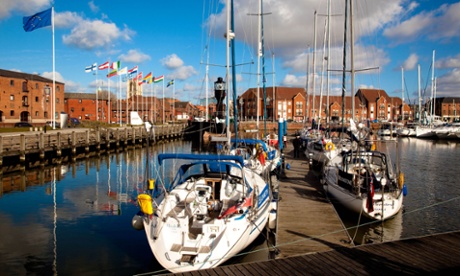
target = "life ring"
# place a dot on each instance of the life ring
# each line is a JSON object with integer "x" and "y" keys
{"x": 330, "y": 146}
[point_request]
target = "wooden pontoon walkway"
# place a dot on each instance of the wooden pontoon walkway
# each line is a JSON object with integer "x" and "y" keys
{"x": 437, "y": 254}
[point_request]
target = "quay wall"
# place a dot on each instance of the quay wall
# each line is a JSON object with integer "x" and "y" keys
{"x": 19, "y": 151}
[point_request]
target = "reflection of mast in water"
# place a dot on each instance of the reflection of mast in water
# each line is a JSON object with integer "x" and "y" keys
{"x": 54, "y": 221}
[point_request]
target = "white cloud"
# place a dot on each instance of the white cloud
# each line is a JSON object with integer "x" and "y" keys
{"x": 447, "y": 85}
{"x": 134, "y": 56}
{"x": 89, "y": 35}
{"x": 172, "y": 62}
{"x": 411, "y": 62}
{"x": 293, "y": 80}
{"x": 93, "y": 7}
{"x": 25, "y": 7}
{"x": 183, "y": 73}
{"x": 69, "y": 85}
{"x": 441, "y": 23}
{"x": 449, "y": 62}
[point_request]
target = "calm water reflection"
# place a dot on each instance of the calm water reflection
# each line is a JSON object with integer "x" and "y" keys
{"x": 76, "y": 219}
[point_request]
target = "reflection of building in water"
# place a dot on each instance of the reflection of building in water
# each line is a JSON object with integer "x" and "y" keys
{"x": 30, "y": 178}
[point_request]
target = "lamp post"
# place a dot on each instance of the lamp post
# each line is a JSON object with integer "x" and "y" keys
{"x": 268, "y": 101}
{"x": 241, "y": 108}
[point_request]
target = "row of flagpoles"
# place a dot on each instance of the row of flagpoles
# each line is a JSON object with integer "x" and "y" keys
{"x": 46, "y": 18}
{"x": 133, "y": 74}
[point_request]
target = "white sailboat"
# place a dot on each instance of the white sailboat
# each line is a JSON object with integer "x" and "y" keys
{"x": 432, "y": 121}
{"x": 363, "y": 179}
{"x": 366, "y": 182}
{"x": 213, "y": 208}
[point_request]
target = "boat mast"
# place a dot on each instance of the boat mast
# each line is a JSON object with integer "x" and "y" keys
{"x": 235, "y": 104}
{"x": 314, "y": 66}
{"x": 328, "y": 114}
{"x": 263, "y": 67}
{"x": 402, "y": 94}
{"x": 229, "y": 35}
{"x": 344, "y": 65}
{"x": 259, "y": 53}
{"x": 352, "y": 42}
{"x": 419, "y": 96}
{"x": 432, "y": 91}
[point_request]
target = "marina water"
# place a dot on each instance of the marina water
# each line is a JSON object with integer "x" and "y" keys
{"x": 76, "y": 218}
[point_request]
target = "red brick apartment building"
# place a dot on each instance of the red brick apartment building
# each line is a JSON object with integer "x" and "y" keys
{"x": 28, "y": 98}
{"x": 292, "y": 103}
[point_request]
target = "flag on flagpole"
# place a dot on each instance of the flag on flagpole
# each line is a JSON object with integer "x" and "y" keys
{"x": 132, "y": 72}
{"x": 104, "y": 65}
{"x": 115, "y": 65}
{"x": 171, "y": 82}
{"x": 112, "y": 73}
{"x": 123, "y": 71}
{"x": 91, "y": 68}
{"x": 138, "y": 77}
{"x": 159, "y": 79}
{"x": 38, "y": 20}
{"x": 147, "y": 77}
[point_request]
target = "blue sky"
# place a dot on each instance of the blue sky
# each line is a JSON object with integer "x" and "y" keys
{"x": 177, "y": 38}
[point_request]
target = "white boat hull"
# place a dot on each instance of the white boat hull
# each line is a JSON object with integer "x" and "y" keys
{"x": 392, "y": 202}
{"x": 207, "y": 218}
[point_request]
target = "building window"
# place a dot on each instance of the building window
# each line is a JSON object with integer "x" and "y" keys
{"x": 11, "y": 82}
{"x": 36, "y": 113}
{"x": 58, "y": 88}
{"x": 71, "y": 109}
{"x": 36, "y": 86}
{"x": 47, "y": 90}
{"x": 11, "y": 97}
{"x": 57, "y": 100}
{"x": 82, "y": 109}
{"x": 24, "y": 87}
{"x": 45, "y": 114}
{"x": 79, "y": 101}
{"x": 11, "y": 112}
{"x": 36, "y": 99}
{"x": 25, "y": 101}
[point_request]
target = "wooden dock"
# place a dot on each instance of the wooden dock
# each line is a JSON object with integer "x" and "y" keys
{"x": 307, "y": 221}
{"x": 436, "y": 254}
{"x": 37, "y": 148}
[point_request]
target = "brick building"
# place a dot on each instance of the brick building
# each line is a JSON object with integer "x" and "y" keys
{"x": 83, "y": 106}
{"x": 291, "y": 103}
{"x": 28, "y": 98}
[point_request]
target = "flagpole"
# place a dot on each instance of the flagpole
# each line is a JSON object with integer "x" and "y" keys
{"x": 108, "y": 92}
{"x": 163, "y": 102}
{"x": 97, "y": 100}
{"x": 119, "y": 97}
{"x": 53, "y": 105}
{"x": 174, "y": 101}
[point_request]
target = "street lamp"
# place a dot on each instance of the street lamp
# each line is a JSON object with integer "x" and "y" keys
{"x": 241, "y": 108}
{"x": 268, "y": 100}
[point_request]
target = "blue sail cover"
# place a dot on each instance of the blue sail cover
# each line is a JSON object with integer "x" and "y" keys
{"x": 250, "y": 141}
{"x": 200, "y": 157}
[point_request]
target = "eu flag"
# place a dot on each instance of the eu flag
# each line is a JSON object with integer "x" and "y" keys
{"x": 38, "y": 20}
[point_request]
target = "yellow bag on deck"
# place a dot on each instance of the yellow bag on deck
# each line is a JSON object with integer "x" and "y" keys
{"x": 145, "y": 203}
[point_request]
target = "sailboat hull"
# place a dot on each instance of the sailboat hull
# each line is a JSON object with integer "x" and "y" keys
{"x": 205, "y": 219}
